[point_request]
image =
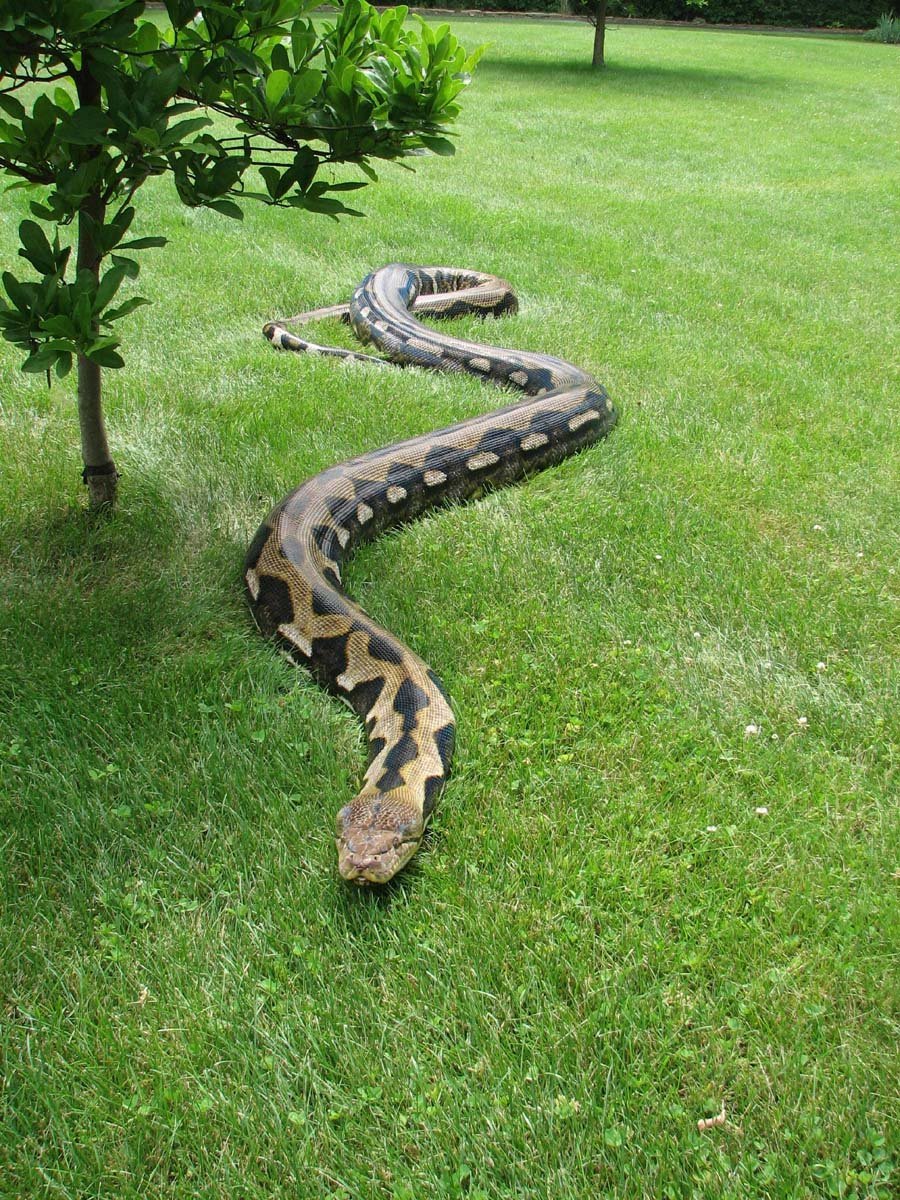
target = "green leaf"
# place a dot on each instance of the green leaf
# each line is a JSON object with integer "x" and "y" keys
{"x": 276, "y": 86}
{"x": 106, "y": 358}
{"x": 306, "y": 84}
{"x": 228, "y": 207}
{"x": 147, "y": 37}
{"x": 147, "y": 136}
{"x": 64, "y": 99}
{"x": 179, "y": 131}
{"x": 303, "y": 38}
{"x": 12, "y": 136}
{"x": 242, "y": 58}
{"x": 117, "y": 228}
{"x": 41, "y": 211}
{"x": 103, "y": 353}
{"x": 439, "y": 145}
{"x": 85, "y": 127}
{"x": 161, "y": 86}
{"x": 113, "y": 314}
{"x": 332, "y": 208}
{"x": 59, "y": 326}
{"x": 280, "y": 60}
{"x": 129, "y": 266}
{"x": 41, "y": 360}
{"x": 304, "y": 168}
{"x": 81, "y": 314}
{"x": 36, "y": 248}
{"x": 13, "y": 107}
{"x": 86, "y": 16}
{"x": 109, "y": 285}
{"x": 272, "y": 179}
{"x": 44, "y": 116}
{"x": 144, "y": 243}
{"x": 21, "y": 294}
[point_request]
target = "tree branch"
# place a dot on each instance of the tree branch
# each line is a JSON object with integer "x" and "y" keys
{"x": 24, "y": 80}
{"x": 269, "y": 131}
{"x": 211, "y": 43}
{"x": 29, "y": 173}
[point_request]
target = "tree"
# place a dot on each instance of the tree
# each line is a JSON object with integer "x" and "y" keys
{"x": 121, "y": 98}
{"x": 595, "y": 11}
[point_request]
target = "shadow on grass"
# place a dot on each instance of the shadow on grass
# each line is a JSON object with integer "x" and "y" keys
{"x": 110, "y": 614}
{"x": 616, "y": 76}
{"x": 57, "y": 557}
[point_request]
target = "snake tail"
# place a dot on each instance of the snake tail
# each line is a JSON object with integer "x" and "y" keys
{"x": 293, "y": 566}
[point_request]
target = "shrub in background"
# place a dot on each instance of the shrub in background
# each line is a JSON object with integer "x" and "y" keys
{"x": 849, "y": 14}
{"x": 845, "y": 14}
{"x": 887, "y": 29}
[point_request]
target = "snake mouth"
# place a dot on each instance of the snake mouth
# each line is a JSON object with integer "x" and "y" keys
{"x": 377, "y": 835}
{"x": 371, "y": 863}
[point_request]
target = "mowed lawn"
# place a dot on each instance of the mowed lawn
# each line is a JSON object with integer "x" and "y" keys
{"x": 663, "y": 879}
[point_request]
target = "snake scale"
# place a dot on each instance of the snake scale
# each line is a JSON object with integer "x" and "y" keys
{"x": 293, "y": 566}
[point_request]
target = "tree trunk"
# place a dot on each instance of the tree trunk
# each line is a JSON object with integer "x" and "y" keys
{"x": 99, "y": 474}
{"x": 599, "y": 34}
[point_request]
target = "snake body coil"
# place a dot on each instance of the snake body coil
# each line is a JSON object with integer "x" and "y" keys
{"x": 293, "y": 566}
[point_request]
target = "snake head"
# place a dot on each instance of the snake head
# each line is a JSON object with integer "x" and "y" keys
{"x": 377, "y": 834}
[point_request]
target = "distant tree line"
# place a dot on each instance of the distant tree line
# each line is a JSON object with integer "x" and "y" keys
{"x": 847, "y": 14}
{"x": 851, "y": 14}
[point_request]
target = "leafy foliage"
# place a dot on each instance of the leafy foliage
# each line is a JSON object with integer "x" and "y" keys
{"x": 596, "y": 10}
{"x": 122, "y": 99}
{"x": 887, "y": 30}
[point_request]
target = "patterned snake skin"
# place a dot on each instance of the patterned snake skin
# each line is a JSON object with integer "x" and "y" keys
{"x": 293, "y": 567}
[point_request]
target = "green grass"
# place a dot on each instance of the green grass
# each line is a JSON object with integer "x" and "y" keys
{"x": 605, "y": 938}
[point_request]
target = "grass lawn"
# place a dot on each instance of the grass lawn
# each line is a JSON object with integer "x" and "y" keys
{"x": 632, "y": 908}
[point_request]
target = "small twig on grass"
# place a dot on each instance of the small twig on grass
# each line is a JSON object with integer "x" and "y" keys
{"x": 711, "y": 1122}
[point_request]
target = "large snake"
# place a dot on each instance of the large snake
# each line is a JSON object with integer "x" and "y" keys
{"x": 293, "y": 567}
